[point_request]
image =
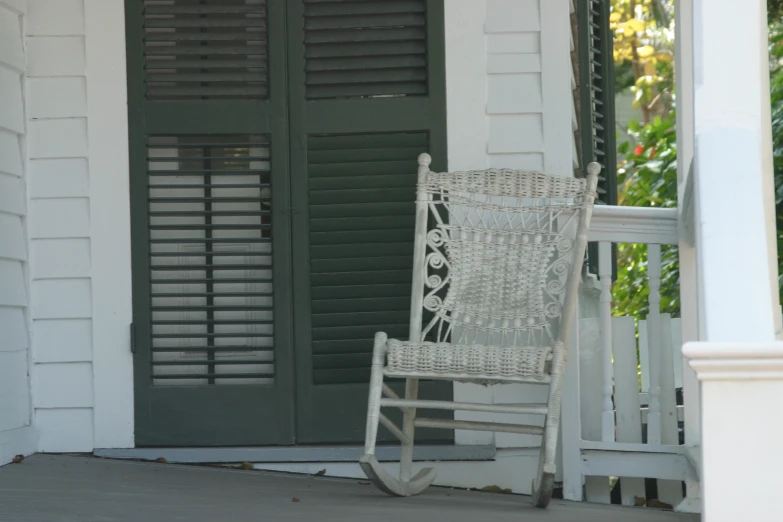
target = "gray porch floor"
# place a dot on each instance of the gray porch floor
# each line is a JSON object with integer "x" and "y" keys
{"x": 50, "y": 488}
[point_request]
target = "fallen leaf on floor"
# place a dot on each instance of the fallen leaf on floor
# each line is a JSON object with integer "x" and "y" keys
{"x": 295, "y": 499}
{"x": 655, "y": 503}
{"x": 495, "y": 489}
{"x": 639, "y": 501}
{"x": 18, "y": 459}
{"x": 320, "y": 473}
{"x": 161, "y": 460}
{"x": 246, "y": 466}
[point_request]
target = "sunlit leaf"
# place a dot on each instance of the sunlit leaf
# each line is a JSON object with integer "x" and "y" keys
{"x": 645, "y": 51}
{"x": 634, "y": 25}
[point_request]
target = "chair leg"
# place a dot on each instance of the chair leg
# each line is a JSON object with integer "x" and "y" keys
{"x": 544, "y": 483}
{"x": 406, "y": 452}
{"x": 374, "y": 399}
{"x": 406, "y": 485}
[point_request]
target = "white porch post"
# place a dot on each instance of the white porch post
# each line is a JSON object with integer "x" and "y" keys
{"x": 737, "y": 359}
{"x": 687, "y": 251}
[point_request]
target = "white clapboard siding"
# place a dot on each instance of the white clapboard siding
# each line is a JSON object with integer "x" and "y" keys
{"x": 64, "y": 429}
{"x": 515, "y": 84}
{"x": 61, "y": 287}
{"x": 59, "y": 385}
{"x": 15, "y": 411}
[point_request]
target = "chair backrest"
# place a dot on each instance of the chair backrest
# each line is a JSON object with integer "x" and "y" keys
{"x": 499, "y": 254}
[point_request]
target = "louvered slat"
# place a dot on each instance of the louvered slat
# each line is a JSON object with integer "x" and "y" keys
{"x": 601, "y": 97}
{"x": 357, "y": 49}
{"x": 210, "y": 259}
{"x": 205, "y": 49}
{"x": 596, "y": 103}
{"x": 361, "y": 230}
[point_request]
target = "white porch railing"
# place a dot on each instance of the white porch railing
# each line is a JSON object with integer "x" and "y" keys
{"x": 619, "y": 384}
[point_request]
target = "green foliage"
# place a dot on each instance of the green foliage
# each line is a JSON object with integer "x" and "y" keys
{"x": 774, "y": 10}
{"x": 647, "y": 175}
{"x": 647, "y": 178}
{"x": 643, "y": 48}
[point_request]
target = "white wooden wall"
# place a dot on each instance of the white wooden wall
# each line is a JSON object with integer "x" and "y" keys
{"x": 504, "y": 74}
{"x": 515, "y": 102}
{"x": 60, "y": 226}
{"x": 15, "y": 434}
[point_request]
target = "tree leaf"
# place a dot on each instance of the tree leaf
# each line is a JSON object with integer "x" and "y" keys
{"x": 634, "y": 25}
{"x": 645, "y": 51}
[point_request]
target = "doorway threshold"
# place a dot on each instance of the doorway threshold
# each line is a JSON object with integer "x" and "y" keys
{"x": 281, "y": 454}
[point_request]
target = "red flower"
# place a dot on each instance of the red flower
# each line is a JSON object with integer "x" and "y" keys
{"x": 638, "y": 150}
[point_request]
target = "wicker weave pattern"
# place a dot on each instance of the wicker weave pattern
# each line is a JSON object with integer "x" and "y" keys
{"x": 473, "y": 265}
{"x": 504, "y": 182}
{"x": 476, "y": 362}
{"x": 505, "y": 241}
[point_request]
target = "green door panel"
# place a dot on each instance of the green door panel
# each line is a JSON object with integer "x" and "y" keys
{"x": 367, "y": 96}
{"x": 210, "y": 230}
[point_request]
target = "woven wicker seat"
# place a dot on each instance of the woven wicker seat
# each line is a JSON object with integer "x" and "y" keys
{"x": 476, "y": 363}
{"x": 497, "y": 264}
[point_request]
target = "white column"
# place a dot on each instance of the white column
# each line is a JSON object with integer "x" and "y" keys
{"x": 687, "y": 251}
{"x": 737, "y": 361}
{"x": 735, "y": 223}
{"x": 741, "y": 385}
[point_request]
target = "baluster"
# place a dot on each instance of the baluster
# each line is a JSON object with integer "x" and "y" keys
{"x": 605, "y": 278}
{"x": 654, "y": 337}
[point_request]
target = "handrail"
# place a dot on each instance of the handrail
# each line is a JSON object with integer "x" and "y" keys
{"x": 618, "y": 224}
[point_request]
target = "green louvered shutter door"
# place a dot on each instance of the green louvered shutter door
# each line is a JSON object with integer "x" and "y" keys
{"x": 596, "y": 118}
{"x": 209, "y": 168}
{"x": 367, "y": 97}
{"x": 596, "y": 80}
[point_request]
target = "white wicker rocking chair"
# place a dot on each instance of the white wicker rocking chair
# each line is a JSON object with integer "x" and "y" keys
{"x": 498, "y": 276}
